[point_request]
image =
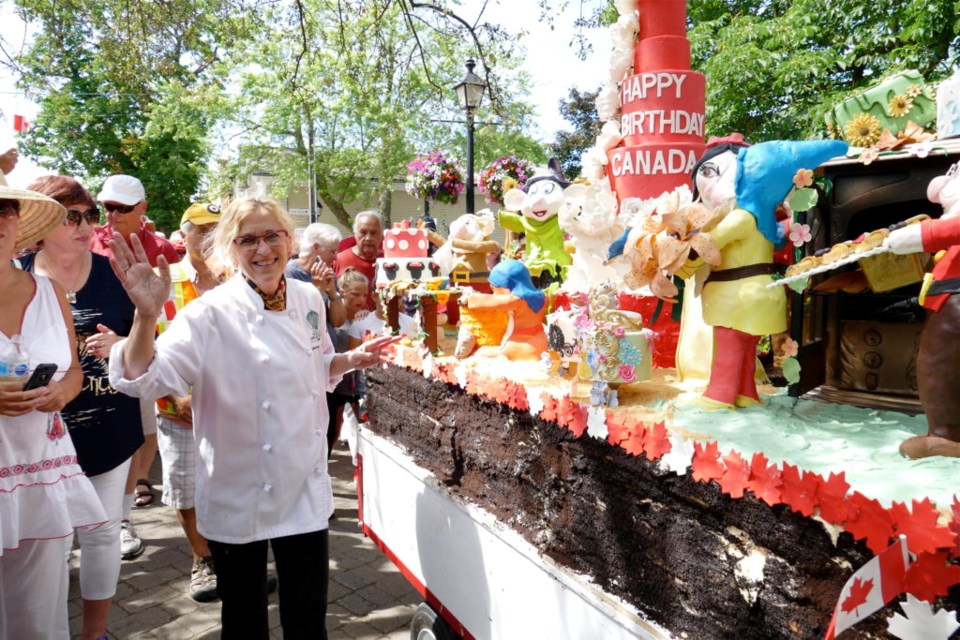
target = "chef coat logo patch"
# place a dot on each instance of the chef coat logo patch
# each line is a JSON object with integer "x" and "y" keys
{"x": 313, "y": 319}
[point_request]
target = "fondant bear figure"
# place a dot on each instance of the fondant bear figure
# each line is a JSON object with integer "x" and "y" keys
{"x": 464, "y": 255}
{"x": 938, "y": 360}
{"x": 533, "y": 211}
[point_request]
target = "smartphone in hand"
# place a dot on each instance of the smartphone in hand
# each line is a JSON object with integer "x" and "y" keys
{"x": 41, "y": 376}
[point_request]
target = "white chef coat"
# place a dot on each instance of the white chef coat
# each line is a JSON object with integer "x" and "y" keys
{"x": 260, "y": 416}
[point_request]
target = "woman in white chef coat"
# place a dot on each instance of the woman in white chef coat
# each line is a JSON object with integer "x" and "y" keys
{"x": 256, "y": 354}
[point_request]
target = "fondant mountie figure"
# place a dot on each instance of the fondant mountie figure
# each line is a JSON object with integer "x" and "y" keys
{"x": 938, "y": 360}
{"x": 525, "y": 306}
{"x": 736, "y": 301}
{"x": 533, "y": 211}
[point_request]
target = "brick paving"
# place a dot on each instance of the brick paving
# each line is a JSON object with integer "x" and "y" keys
{"x": 369, "y": 598}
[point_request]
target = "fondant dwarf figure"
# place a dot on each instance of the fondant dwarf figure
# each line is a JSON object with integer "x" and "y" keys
{"x": 525, "y": 307}
{"x": 938, "y": 360}
{"x": 533, "y": 211}
{"x": 736, "y": 301}
{"x": 464, "y": 255}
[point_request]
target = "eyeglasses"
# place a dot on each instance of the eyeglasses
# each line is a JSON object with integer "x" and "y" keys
{"x": 75, "y": 217}
{"x": 252, "y": 241}
{"x": 119, "y": 208}
{"x": 9, "y": 208}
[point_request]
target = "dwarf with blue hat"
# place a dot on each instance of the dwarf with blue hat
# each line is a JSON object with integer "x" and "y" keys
{"x": 736, "y": 301}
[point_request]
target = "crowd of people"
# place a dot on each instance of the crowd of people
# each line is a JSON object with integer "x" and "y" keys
{"x": 243, "y": 437}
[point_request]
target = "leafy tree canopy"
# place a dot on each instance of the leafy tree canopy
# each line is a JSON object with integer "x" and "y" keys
{"x": 580, "y": 110}
{"x": 774, "y": 68}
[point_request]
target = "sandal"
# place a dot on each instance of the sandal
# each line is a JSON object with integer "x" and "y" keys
{"x": 144, "y": 498}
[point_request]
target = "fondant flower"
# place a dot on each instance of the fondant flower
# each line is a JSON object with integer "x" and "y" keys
{"x": 863, "y": 131}
{"x": 684, "y": 226}
{"x": 803, "y": 178}
{"x": 625, "y": 6}
{"x": 628, "y": 373}
{"x": 900, "y": 106}
{"x": 799, "y": 234}
{"x": 921, "y": 149}
{"x": 619, "y": 332}
{"x": 608, "y": 102}
{"x": 914, "y": 90}
{"x": 790, "y": 348}
{"x": 869, "y": 154}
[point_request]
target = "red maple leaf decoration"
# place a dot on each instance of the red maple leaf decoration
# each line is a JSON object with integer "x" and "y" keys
{"x": 832, "y": 497}
{"x": 931, "y": 576}
{"x": 549, "y": 411}
{"x": 656, "y": 443}
{"x": 873, "y": 523}
{"x": 572, "y": 415}
{"x": 444, "y": 372}
{"x": 476, "y": 384}
{"x": 561, "y": 300}
{"x": 799, "y": 492}
{"x": 859, "y": 591}
{"x": 765, "y": 480}
{"x": 706, "y": 462}
{"x": 636, "y": 439}
{"x": 920, "y": 526}
{"x": 618, "y": 430}
{"x": 955, "y": 527}
{"x": 517, "y": 398}
{"x": 736, "y": 475}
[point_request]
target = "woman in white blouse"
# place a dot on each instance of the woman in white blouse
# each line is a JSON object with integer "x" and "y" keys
{"x": 256, "y": 354}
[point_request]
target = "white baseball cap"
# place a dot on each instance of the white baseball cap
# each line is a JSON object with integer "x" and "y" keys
{"x": 123, "y": 189}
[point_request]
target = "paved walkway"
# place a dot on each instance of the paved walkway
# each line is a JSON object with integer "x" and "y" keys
{"x": 369, "y": 598}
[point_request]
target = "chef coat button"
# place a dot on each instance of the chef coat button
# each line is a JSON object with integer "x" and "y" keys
{"x": 315, "y": 393}
{"x": 265, "y": 404}
{"x": 292, "y": 313}
{"x": 264, "y": 358}
{"x": 306, "y": 352}
{"x": 267, "y": 486}
{"x": 259, "y": 319}
{"x": 268, "y": 448}
{"x": 319, "y": 432}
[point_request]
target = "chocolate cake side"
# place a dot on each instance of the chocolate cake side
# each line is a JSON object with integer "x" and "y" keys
{"x": 686, "y": 555}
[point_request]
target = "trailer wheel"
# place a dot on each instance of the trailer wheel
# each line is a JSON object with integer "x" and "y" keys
{"x": 427, "y": 625}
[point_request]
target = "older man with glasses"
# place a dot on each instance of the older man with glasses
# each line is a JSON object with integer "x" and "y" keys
{"x": 125, "y": 203}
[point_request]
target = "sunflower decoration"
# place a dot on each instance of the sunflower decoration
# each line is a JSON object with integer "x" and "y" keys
{"x": 900, "y": 105}
{"x": 914, "y": 90}
{"x": 863, "y": 131}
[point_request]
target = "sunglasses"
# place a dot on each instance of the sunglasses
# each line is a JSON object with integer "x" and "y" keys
{"x": 252, "y": 241}
{"x": 75, "y": 217}
{"x": 119, "y": 208}
{"x": 9, "y": 208}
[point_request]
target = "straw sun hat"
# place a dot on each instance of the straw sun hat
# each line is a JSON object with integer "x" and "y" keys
{"x": 39, "y": 215}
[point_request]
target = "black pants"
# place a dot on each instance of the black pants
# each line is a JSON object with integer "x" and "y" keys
{"x": 302, "y": 569}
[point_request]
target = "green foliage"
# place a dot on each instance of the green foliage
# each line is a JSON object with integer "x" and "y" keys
{"x": 580, "y": 110}
{"x": 775, "y": 67}
{"x": 121, "y": 88}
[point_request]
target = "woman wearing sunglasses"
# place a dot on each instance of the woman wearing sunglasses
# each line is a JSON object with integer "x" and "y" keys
{"x": 44, "y": 494}
{"x": 256, "y": 352}
{"x": 104, "y": 425}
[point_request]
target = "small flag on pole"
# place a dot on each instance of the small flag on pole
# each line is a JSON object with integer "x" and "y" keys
{"x": 870, "y": 588}
{"x": 20, "y": 123}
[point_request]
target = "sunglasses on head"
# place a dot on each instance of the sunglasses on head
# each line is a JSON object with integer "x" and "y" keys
{"x": 119, "y": 208}
{"x": 75, "y": 216}
{"x": 9, "y": 208}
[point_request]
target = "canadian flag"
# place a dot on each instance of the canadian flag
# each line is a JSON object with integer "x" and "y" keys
{"x": 20, "y": 123}
{"x": 870, "y": 588}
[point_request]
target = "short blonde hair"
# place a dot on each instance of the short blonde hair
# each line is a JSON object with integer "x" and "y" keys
{"x": 229, "y": 227}
{"x": 351, "y": 276}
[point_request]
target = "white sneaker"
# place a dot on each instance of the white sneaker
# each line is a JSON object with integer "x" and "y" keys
{"x": 131, "y": 545}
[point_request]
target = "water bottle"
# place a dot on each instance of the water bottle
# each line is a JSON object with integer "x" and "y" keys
{"x": 14, "y": 361}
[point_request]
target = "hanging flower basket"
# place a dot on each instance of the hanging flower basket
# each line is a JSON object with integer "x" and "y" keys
{"x": 504, "y": 174}
{"x": 435, "y": 176}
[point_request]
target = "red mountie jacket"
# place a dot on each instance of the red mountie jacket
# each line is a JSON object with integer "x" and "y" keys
{"x": 938, "y": 235}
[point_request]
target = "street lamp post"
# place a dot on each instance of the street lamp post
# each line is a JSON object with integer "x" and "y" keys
{"x": 470, "y": 93}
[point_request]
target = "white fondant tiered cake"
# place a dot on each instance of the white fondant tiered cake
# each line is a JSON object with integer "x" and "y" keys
{"x": 662, "y": 107}
{"x": 405, "y": 256}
